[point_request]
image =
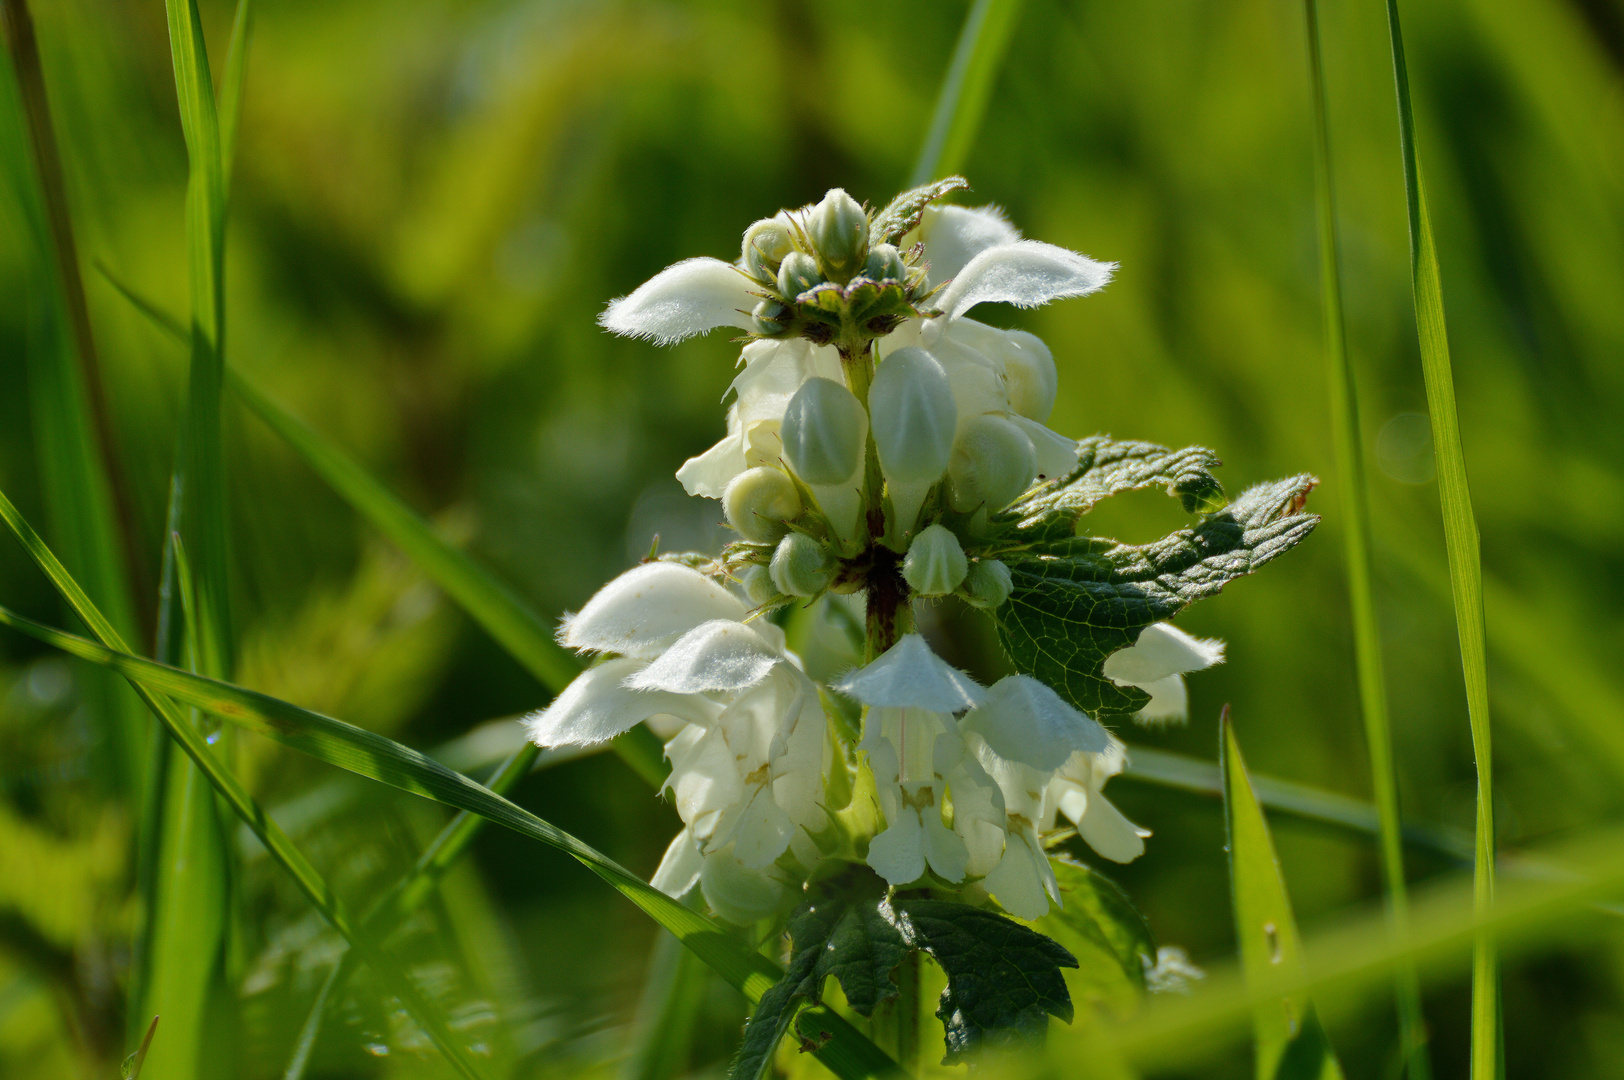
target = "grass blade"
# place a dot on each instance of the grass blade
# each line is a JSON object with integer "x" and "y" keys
{"x": 962, "y": 101}
{"x": 1461, "y": 542}
{"x": 231, "y": 791}
{"x": 1265, "y": 929}
{"x": 367, "y": 754}
{"x": 242, "y": 28}
{"x": 672, "y": 997}
{"x": 1354, "y": 494}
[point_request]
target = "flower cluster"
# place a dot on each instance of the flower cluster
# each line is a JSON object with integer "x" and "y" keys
{"x": 874, "y": 435}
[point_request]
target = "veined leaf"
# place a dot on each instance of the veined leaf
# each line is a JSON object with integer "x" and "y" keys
{"x": 1077, "y": 601}
{"x": 1270, "y": 950}
{"x": 1107, "y": 467}
{"x": 367, "y": 754}
{"x": 902, "y": 214}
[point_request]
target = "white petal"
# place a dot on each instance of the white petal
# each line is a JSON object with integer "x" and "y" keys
{"x": 644, "y": 610}
{"x": 910, "y": 675}
{"x": 1056, "y": 455}
{"x": 1020, "y": 880}
{"x": 596, "y": 707}
{"x": 709, "y": 473}
{"x": 679, "y": 870}
{"x": 680, "y": 301}
{"x": 722, "y": 654}
{"x": 1026, "y": 722}
{"x": 897, "y": 854}
{"x": 1109, "y": 833}
{"x": 944, "y": 850}
{"x": 954, "y": 235}
{"x": 737, "y": 893}
{"x": 763, "y": 832}
{"x": 1026, "y": 274}
{"x": 773, "y": 372}
{"x": 1161, "y": 650}
{"x": 976, "y": 382}
{"x": 1169, "y": 702}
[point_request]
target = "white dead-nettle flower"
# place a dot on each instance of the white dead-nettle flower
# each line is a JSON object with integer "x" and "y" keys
{"x": 1074, "y": 793}
{"x": 1156, "y": 663}
{"x": 747, "y": 764}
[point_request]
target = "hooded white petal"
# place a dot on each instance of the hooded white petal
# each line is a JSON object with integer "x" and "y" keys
{"x": 1027, "y": 273}
{"x": 1023, "y": 881}
{"x": 1104, "y": 829}
{"x": 1161, "y": 650}
{"x": 898, "y": 853}
{"x": 709, "y": 473}
{"x": 1024, "y": 721}
{"x": 1169, "y": 701}
{"x": 679, "y": 869}
{"x": 641, "y": 612}
{"x": 719, "y": 655}
{"x": 953, "y": 235}
{"x": 1055, "y": 454}
{"x": 596, "y": 707}
{"x": 910, "y": 675}
{"x": 689, "y": 298}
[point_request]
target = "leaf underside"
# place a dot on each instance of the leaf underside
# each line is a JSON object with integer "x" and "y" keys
{"x": 903, "y": 213}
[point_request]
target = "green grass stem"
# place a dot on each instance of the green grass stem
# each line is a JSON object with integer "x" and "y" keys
{"x": 961, "y": 103}
{"x": 1354, "y": 499}
{"x": 1465, "y": 560}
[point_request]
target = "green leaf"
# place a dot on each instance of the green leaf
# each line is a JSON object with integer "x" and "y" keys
{"x": 1076, "y": 602}
{"x": 1461, "y": 543}
{"x": 962, "y": 101}
{"x": 1003, "y": 979}
{"x": 367, "y": 754}
{"x": 902, "y": 214}
{"x": 1107, "y": 467}
{"x": 1098, "y": 924}
{"x": 1308, "y": 1056}
{"x": 1270, "y": 950}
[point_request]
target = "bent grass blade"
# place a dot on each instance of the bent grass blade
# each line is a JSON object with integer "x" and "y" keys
{"x": 961, "y": 104}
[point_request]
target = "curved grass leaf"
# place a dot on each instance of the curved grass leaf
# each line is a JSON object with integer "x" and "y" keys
{"x": 962, "y": 101}
{"x": 374, "y": 756}
{"x": 1461, "y": 542}
{"x": 676, "y": 987}
{"x": 1265, "y": 928}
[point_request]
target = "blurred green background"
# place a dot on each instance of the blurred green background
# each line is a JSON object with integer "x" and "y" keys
{"x": 432, "y": 202}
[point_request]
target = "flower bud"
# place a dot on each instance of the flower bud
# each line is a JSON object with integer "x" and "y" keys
{"x": 800, "y": 566}
{"x": 912, "y": 404}
{"x": 765, "y": 245}
{"x": 758, "y": 584}
{"x": 769, "y": 316}
{"x": 993, "y": 462}
{"x": 885, "y": 264}
{"x": 1033, "y": 380}
{"x": 797, "y": 273}
{"x": 758, "y": 501}
{"x": 935, "y": 564}
{"x": 987, "y": 584}
{"x": 838, "y": 229}
{"x": 824, "y": 432}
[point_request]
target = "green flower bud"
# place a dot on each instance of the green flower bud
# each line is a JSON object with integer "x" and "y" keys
{"x": 838, "y": 229}
{"x": 824, "y": 432}
{"x": 935, "y": 564}
{"x": 993, "y": 462}
{"x": 758, "y": 584}
{"x": 769, "y": 317}
{"x": 987, "y": 584}
{"x": 798, "y": 273}
{"x": 914, "y": 416}
{"x": 885, "y": 264}
{"x": 765, "y": 245}
{"x": 759, "y": 501}
{"x": 800, "y": 566}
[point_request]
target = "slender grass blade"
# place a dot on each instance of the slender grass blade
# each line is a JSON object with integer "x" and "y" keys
{"x": 1461, "y": 543}
{"x": 1265, "y": 929}
{"x": 1354, "y": 495}
{"x": 962, "y": 101}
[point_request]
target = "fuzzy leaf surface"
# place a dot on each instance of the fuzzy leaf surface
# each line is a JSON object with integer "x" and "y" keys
{"x": 1076, "y": 601}
{"x": 903, "y": 213}
{"x": 1106, "y": 467}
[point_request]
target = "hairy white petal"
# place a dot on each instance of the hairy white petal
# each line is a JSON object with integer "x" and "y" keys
{"x": 1105, "y": 830}
{"x": 710, "y": 473}
{"x": 1169, "y": 702}
{"x": 679, "y": 869}
{"x": 1026, "y": 274}
{"x": 953, "y": 235}
{"x": 1020, "y": 881}
{"x": 719, "y": 655}
{"x": 1161, "y": 650}
{"x": 1024, "y": 721}
{"x": 1056, "y": 455}
{"x": 689, "y": 298}
{"x": 595, "y": 707}
{"x": 910, "y": 675}
{"x": 644, "y": 610}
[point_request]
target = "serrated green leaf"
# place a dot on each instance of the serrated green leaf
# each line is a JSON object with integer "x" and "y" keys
{"x": 1098, "y": 924}
{"x": 902, "y": 214}
{"x": 1106, "y": 467}
{"x": 1080, "y": 600}
{"x": 1003, "y": 979}
{"x": 1270, "y": 949}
